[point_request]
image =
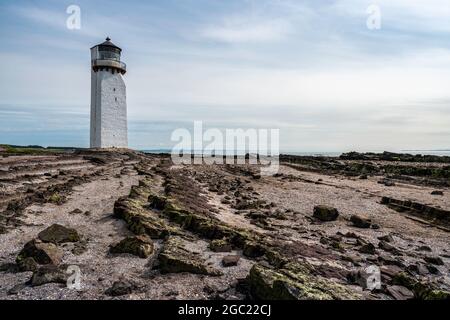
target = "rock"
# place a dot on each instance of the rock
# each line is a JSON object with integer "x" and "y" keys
{"x": 76, "y": 211}
{"x": 27, "y": 264}
{"x": 220, "y": 246}
{"x": 367, "y": 248}
{"x": 400, "y": 293}
{"x": 386, "y": 238}
{"x": 437, "y": 193}
{"x": 434, "y": 260}
{"x": 16, "y": 289}
{"x": 42, "y": 253}
{"x": 253, "y": 250}
{"x": 79, "y": 248}
{"x": 121, "y": 288}
{"x": 387, "y": 182}
{"x": 388, "y": 247}
{"x": 48, "y": 274}
{"x": 294, "y": 282}
{"x": 359, "y": 222}
{"x": 355, "y": 259}
{"x": 390, "y": 261}
{"x": 363, "y": 177}
{"x": 230, "y": 261}
{"x": 421, "y": 290}
{"x": 424, "y": 248}
{"x": 419, "y": 269}
{"x": 175, "y": 258}
{"x": 325, "y": 213}
{"x": 59, "y": 234}
{"x": 9, "y": 267}
{"x": 432, "y": 269}
{"x": 390, "y": 271}
{"x": 141, "y": 246}
{"x": 334, "y": 242}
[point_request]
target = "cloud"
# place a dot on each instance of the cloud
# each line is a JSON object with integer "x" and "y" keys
{"x": 311, "y": 68}
{"x": 240, "y": 30}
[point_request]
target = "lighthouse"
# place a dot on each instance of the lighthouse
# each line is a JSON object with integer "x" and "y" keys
{"x": 108, "y": 97}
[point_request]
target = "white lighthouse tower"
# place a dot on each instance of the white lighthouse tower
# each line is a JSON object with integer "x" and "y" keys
{"x": 108, "y": 97}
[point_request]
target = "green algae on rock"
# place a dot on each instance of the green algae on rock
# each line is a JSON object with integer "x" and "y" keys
{"x": 141, "y": 246}
{"x": 175, "y": 258}
{"x": 294, "y": 282}
{"x": 41, "y": 253}
{"x": 57, "y": 233}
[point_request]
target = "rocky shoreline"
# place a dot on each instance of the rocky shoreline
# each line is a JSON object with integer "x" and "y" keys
{"x": 139, "y": 227}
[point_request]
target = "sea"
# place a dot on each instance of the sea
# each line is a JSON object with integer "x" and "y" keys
{"x": 325, "y": 153}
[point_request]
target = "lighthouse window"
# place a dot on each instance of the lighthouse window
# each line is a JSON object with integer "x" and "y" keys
{"x": 115, "y": 98}
{"x": 114, "y": 89}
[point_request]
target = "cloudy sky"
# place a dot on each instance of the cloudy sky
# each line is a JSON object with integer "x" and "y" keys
{"x": 310, "y": 68}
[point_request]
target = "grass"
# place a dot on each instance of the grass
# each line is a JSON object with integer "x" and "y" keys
{"x": 27, "y": 150}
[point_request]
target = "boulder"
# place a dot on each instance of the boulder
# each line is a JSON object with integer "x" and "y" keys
{"x": 325, "y": 213}
{"x": 48, "y": 274}
{"x": 230, "y": 261}
{"x": 40, "y": 252}
{"x": 59, "y": 234}
{"x": 141, "y": 246}
{"x": 359, "y": 222}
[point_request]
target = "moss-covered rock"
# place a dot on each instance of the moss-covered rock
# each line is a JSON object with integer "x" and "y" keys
{"x": 157, "y": 202}
{"x": 253, "y": 249}
{"x": 423, "y": 291}
{"x": 42, "y": 253}
{"x": 139, "y": 221}
{"x": 294, "y": 282}
{"x": 48, "y": 274}
{"x": 27, "y": 264}
{"x": 56, "y": 198}
{"x": 141, "y": 246}
{"x": 175, "y": 258}
{"x": 57, "y": 233}
{"x": 220, "y": 246}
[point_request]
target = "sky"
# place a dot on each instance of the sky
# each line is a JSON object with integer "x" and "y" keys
{"x": 312, "y": 69}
